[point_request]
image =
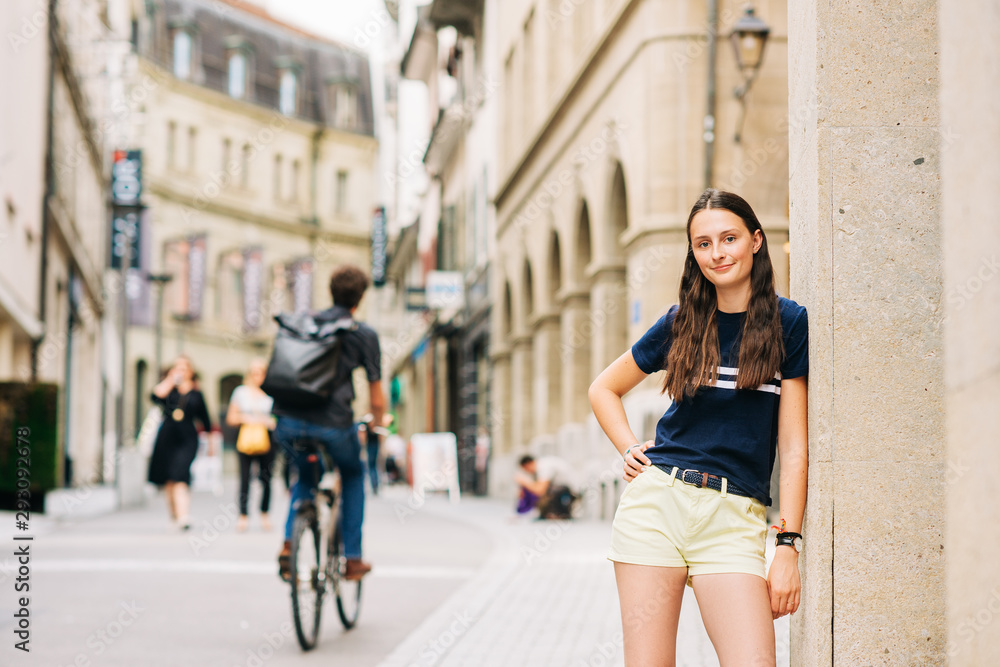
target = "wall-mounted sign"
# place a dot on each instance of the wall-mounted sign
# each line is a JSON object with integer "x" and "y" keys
{"x": 445, "y": 289}
{"x": 380, "y": 243}
{"x": 126, "y": 178}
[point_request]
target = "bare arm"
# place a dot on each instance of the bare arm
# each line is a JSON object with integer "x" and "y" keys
{"x": 377, "y": 400}
{"x": 163, "y": 389}
{"x": 233, "y": 415}
{"x": 537, "y": 487}
{"x": 783, "y": 578}
{"x": 605, "y": 395}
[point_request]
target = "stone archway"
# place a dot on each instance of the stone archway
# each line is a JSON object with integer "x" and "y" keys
{"x": 609, "y": 291}
{"x": 576, "y": 325}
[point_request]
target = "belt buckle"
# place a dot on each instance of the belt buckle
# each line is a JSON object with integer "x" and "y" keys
{"x": 704, "y": 478}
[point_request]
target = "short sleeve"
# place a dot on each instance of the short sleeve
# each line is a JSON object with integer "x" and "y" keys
{"x": 650, "y": 351}
{"x": 237, "y": 397}
{"x": 796, "y": 334}
{"x": 372, "y": 358}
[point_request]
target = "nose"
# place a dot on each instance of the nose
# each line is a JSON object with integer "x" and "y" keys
{"x": 718, "y": 252}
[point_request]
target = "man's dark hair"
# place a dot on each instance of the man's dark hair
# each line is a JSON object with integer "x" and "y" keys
{"x": 526, "y": 459}
{"x": 347, "y": 286}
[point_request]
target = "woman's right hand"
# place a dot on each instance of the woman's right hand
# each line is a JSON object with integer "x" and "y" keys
{"x": 636, "y": 461}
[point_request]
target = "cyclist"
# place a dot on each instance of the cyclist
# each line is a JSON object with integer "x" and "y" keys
{"x": 333, "y": 425}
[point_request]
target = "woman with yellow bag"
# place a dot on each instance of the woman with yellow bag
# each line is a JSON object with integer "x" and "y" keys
{"x": 250, "y": 409}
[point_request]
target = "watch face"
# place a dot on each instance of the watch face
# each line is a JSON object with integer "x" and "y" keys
{"x": 797, "y": 543}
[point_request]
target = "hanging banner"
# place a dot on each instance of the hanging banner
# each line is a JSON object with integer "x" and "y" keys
{"x": 302, "y": 287}
{"x": 380, "y": 244}
{"x": 197, "y": 261}
{"x": 253, "y": 283}
{"x": 126, "y": 178}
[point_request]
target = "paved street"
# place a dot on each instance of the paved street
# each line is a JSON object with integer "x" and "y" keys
{"x": 454, "y": 585}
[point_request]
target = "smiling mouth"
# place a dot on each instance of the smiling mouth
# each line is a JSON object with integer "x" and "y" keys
{"x": 721, "y": 267}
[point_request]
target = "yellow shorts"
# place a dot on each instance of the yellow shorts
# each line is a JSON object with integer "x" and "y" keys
{"x": 663, "y": 521}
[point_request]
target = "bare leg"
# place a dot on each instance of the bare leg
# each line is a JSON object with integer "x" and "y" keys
{"x": 168, "y": 489}
{"x": 182, "y": 501}
{"x": 737, "y": 615}
{"x": 650, "y": 599}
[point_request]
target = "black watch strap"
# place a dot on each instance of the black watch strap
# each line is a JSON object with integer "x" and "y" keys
{"x": 787, "y": 539}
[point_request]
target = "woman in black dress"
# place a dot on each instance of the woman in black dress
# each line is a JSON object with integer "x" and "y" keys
{"x": 177, "y": 442}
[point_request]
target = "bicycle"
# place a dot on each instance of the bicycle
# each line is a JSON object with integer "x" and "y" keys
{"x": 317, "y": 556}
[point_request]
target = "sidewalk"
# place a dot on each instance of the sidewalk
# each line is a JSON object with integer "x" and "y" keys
{"x": 546, "y": 596}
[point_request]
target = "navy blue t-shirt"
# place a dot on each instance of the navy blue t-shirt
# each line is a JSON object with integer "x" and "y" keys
{"x": 719, "y": 429}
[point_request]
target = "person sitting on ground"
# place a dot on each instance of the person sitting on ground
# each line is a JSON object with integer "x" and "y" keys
{"x": 550, "y": 480}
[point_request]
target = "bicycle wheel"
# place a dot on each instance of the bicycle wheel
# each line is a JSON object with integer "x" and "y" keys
{"x": 308, "y": 579}
{"x": 348, "y": 593}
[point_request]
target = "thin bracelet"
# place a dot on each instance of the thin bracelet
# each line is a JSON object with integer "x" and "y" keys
{"x": 629, "y": 448}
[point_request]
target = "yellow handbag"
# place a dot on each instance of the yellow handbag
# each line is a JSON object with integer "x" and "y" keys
{"x": 253, "y": 440}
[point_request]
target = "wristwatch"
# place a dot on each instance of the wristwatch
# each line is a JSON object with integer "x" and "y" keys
{"x": 793, "y": 540}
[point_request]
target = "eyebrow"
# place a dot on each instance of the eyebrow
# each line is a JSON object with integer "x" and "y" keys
{"x": 725, "y": 233}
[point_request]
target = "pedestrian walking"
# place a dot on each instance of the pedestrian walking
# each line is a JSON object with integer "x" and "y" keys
{"x": 250, "y": 411}
{"x": 177, "y": 441}
{"x": 736, "y": 359}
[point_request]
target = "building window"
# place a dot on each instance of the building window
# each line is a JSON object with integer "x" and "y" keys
{"x": 226, "y": 154}
{"x": 192, "y": 155}
{"x": 340, "y": 204}
{"x": 345, "y": 106}
{"x": 245, "y": 166}
{"x": 277, "y": 177}
{"x": 238, "y": 75}
{"x": 171, "y": 145}
{"x": 294, "y": 194}
{"x": 288, "y": 89}
{"x": 183, "y": 48}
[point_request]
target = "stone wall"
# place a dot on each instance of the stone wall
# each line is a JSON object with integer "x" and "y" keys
{"x": 866, "y": 233}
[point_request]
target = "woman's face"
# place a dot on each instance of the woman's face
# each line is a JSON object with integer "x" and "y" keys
{"x": 723, "y": 247}
{"x": 257, "y": 373}
{"x": 182, "y": 367}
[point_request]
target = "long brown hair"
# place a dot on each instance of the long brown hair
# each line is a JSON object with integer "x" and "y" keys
{"x": 694, "y": 353}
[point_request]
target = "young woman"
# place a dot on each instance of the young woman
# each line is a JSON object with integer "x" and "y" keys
{"x": 736, "y": 359}
{"x": 177, "y": 441}
{"x": 250, "y": 405}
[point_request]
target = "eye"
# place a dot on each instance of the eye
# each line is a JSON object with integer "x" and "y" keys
{"x": 703, "y": 244}
{"x": 730, "y": 238}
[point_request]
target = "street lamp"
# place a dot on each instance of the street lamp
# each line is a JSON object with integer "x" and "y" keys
{"x": 749, "y": 36}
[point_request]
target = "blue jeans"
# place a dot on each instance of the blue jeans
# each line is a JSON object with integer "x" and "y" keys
{"x": 344, "y": 448}
{"x": 372, "y": 448}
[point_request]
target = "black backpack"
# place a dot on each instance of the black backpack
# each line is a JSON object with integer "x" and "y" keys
{"x": 305, "y": 364}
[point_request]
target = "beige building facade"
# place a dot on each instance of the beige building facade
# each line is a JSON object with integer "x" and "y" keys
{"x": 57, "y": 305}
{"x": 260, "y": 171}
{"x": 603, "y": 153}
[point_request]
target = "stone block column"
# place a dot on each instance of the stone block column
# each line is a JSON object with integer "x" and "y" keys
{"x": 866, "y": 234}
{"x": 522, "y": 376}
{"x": 546, "y": 396}
{"x": 970, "y": 110}
{"x": 574, "y": 355}
{"x": 608, "y": 325}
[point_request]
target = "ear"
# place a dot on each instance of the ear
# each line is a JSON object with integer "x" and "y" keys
{"x": 758, "y": 241}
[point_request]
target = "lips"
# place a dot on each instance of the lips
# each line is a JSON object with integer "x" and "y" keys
{"x": 722, "y": 267}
